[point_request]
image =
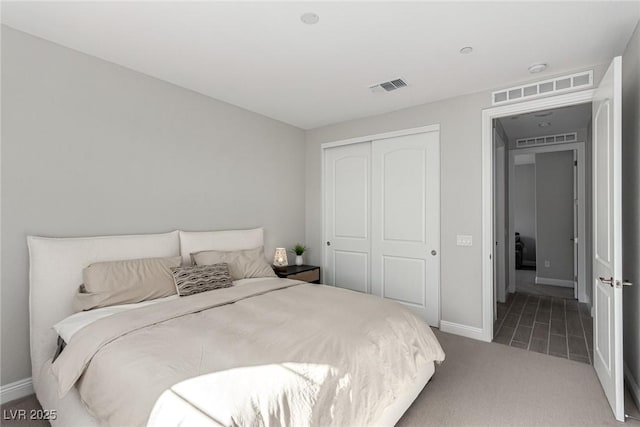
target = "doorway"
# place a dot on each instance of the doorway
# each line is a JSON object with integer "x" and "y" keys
{"x": 542, "y": 200}
{"x": 606, "y": 221}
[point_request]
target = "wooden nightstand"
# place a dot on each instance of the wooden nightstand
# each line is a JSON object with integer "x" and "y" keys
{"x": 308, "y": 273}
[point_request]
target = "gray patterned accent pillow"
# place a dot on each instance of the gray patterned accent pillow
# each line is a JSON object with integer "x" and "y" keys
{"x": 193, "y": 280}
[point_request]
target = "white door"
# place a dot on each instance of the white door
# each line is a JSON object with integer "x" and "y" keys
{"x": 607, "y": 219}
{"x": 405, "y": 251}
{"x": 348, "y": 242}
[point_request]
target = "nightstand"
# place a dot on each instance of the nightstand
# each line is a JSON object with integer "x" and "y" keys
{"x": 307, "y": 273}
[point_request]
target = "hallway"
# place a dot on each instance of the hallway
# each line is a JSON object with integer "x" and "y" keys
{"x": 546, "y": 324}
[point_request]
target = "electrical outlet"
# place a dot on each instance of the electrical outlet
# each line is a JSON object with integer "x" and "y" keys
{"x": 547, "y": 263}
{"x": 464, "y": 240}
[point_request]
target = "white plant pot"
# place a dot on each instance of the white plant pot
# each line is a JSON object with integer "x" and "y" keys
{"x": 299, "y": 260}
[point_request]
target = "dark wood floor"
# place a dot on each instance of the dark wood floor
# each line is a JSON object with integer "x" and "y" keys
{"x": 556, "y": 326}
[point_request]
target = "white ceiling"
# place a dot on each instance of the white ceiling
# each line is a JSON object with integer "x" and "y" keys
{"x": 560, "y": 120}
{"x": 261, "y": 57}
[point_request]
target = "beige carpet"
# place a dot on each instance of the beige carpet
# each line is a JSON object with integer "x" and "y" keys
{"x": 484, "y": 384}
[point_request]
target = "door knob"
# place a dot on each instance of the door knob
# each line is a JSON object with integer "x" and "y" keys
{"x": 328, "y": 243}
{"x": 434, "y": 253}
{"x": 626, "y": 283}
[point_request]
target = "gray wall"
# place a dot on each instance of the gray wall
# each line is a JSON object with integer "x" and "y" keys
{"x": 554, "y": 215}
{"x": 631, "y": 204}
{"x": 91, "y": 148}
{"x": 525, "y": 209}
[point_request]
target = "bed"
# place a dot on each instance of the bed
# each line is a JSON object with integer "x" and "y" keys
{"x": 265, "y": 351}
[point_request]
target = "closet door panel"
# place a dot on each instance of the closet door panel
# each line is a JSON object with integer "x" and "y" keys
{"x": 351, "y": 270}
{"x": 351, "y": 201}
{"x": 405, "y": 222}
{"x": 403, "y": 195}
{"x": 347, "y": 178}
{"x": 400, "y": 275}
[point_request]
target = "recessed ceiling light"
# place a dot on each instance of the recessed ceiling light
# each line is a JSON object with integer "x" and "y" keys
{"x": 466, "y": 50}
{"x": 309, "y": 18}
{"x": 537, "y": 68}
{"x": 544, "y": 124}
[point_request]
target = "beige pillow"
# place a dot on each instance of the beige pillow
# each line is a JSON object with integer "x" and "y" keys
{"x": 125, "y": 282}
{"x": 243, "y": 264}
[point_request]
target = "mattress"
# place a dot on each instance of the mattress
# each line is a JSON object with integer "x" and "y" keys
{"x": 274, "y": 350}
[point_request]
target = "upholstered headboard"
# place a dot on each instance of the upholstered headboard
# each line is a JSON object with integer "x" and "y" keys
{"x": 56, "y": 264}
{"x": 55, "y": 272}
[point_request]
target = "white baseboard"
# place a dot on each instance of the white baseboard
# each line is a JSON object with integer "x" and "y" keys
{"x": 463, "y": 330}
{"x": 16, "y": 390}
{"x": 583, "y": 297}
{"x": 631, "y": 383}
{"x": 554, "y": 282}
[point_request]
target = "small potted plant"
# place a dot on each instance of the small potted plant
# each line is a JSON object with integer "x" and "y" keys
{"x": 299, "y": 250}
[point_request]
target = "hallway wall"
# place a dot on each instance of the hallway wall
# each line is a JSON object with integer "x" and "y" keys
{"x": 554, "y": 216}
{"x": 525, "y": 210}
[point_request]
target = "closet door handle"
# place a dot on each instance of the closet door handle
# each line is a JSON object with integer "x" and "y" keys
{"x": 606, "y": 281}
{"x": 434, "y": 253}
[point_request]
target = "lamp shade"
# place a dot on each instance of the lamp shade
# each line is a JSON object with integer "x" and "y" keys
{"x": 280, "y": 258}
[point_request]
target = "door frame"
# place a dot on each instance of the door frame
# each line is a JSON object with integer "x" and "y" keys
{"x": 581, "y": 251}
{"x": 357, "y": 140}
{"x": 488, "y": 115}
{"x": 501, "y": 276}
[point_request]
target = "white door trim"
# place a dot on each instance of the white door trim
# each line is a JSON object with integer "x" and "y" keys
{"x": 357, "y": 140}
{"x": 578, "y": 147}
{"x": 392, "y": 134}
{"x": 499, "y": 261}
{"x": 487, "y": 192}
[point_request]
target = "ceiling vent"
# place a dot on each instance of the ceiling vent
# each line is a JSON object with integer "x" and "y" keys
{"x": 555, "y": 86}
{"x": 388, "y": 86}
{"x": 548, "y": 139}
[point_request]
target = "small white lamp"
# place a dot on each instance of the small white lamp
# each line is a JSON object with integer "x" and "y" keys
{"x": 280, "y": 258}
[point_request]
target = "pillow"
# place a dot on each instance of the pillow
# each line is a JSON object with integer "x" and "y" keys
{"x": 243, "y": 264}
{"x": 124, "y": 282}
{"x": 193, "y": 280}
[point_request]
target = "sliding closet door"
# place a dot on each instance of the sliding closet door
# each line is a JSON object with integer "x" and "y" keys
{"x": 347, "y": 219}
{"x": 405, "y": 264}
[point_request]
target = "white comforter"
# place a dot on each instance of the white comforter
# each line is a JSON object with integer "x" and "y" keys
{"x": 276, "y": 352}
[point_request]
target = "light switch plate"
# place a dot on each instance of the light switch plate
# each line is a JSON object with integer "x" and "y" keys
{"x": 464, "y": 240}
